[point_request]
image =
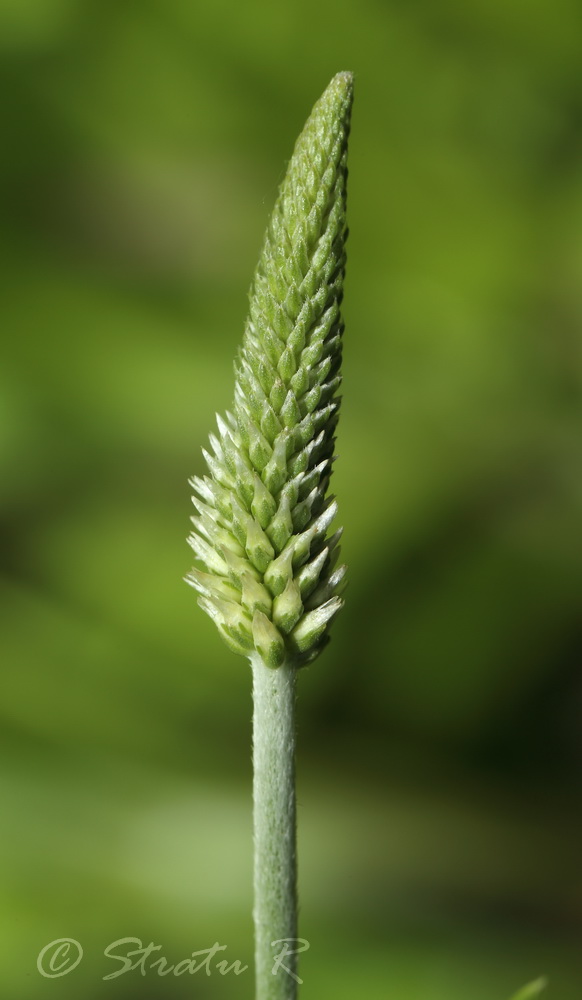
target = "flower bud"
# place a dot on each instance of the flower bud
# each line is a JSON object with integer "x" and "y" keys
{"x": 268, "y": 640}
{"x": 312, "y": 625}
{"x": 287, "y": 607}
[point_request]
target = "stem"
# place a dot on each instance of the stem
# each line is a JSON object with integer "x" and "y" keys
{"x": 275, "y": 911}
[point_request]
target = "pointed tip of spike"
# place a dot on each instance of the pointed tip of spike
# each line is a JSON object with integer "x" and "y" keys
{"x": 336, "y": 99}
{"x": 343, "y": 82}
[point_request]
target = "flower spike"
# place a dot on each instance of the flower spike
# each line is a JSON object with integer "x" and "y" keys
{"x": 264, "y": 515}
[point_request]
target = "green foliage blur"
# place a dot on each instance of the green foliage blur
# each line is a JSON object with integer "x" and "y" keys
{"x": 439, "y": 737}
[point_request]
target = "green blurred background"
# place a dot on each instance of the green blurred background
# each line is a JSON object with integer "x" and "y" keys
{"x": 439, "y": 737}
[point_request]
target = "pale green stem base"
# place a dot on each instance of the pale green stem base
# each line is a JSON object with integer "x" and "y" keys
{"x": 275, "y": 911}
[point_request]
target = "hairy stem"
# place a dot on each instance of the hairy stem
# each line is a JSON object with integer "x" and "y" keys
{"x": 275, "y": 879}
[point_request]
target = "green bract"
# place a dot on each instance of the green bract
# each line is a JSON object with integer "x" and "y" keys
{"x": 261, "y": 532}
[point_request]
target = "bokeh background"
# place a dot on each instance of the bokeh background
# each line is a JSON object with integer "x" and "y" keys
{"x": 440, "y": 744}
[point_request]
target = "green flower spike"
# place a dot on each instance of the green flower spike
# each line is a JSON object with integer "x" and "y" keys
{"x": 270, "y": 581}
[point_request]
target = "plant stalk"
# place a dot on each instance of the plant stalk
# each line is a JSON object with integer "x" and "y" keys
{"x": 275, "y": 868}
